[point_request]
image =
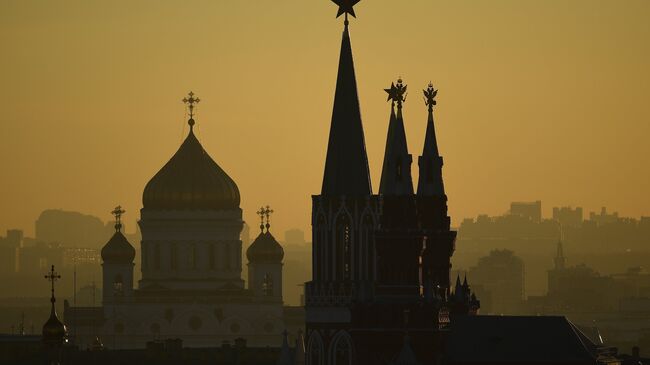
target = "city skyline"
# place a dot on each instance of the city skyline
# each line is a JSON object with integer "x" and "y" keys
{"x": 80, "y": 140}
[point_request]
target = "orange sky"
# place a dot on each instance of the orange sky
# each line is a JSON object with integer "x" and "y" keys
{"x": 539, "y": 99}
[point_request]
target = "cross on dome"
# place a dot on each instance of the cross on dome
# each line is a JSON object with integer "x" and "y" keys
{"x": 117, "y": 213}
{"x": 190, "y": 100}
{"x": 265, "y": 214}
{"x": 52, "y": 276}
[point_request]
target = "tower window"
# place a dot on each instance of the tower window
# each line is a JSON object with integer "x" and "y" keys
{"x": 267, "y": 285}
{"x": 118, "y": 289}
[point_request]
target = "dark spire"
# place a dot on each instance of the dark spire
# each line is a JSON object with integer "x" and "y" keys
{"x": 465, "y": 285}
{"x": 459, "y": 287}
{"x": 396, "y": 173}
{"x": 430, "y": 163}
{"x": 346, "y": 165}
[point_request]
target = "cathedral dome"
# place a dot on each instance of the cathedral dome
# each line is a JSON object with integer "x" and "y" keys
{"x": 265, "y": 249}
{"x": 118, "y": 250}
{"x": 191, "y": 180}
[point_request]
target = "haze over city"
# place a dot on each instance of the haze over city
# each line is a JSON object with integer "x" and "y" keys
{"x": 212, "y": 182}
{"x": 538, "y": 99}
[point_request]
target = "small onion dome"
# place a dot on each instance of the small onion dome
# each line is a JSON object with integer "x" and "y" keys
{"x": 191, "y": 180}
{"x": 265, "y": 249}
{"x": 118, "y": 250}
{"x": 54, "y": 332}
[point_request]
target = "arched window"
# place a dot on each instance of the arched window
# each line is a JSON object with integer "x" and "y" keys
{"x": 342, "y": 354}
{"x": 365, "y": 255}
{"x": 343, "y": 247}
{"x": 118, "y": 285}
{"x": 315, "y": 350}
{"x": 267, "y": 285}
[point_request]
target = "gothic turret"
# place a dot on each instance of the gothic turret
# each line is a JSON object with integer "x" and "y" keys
{"x": 396, "y": 173}
{"x": 346, "y": 166}
{"x": 430, "y": 163}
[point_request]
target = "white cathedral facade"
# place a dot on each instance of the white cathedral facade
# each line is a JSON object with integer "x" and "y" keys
{"x": 191, "y": 264}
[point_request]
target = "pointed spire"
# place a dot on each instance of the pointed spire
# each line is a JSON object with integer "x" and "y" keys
{"x": 396, "y": 173}
{"x": 459, "y": 287}
{"x": 430, "y": 163}
{"x": 346, "y": 165}
{"x": 465, "y": 285}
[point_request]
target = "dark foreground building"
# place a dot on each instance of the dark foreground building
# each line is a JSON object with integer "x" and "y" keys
{"x": 381, "y": 290}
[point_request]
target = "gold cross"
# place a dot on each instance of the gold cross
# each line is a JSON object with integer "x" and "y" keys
{"x": 117, "y": 212}
{"x": 52, "y": 277}
{"x": 190, "y": 101}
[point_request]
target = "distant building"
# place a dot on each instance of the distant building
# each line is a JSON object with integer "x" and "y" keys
{"x": 530, "y": 210}
{"x": 603, "y": 217}
{"x": 502, "y": 274}
{"x": 71, "y": 229}
{"x": 10, "y": 250}
{"x": 294, "y": 237}
{"x": 567, "y": 216}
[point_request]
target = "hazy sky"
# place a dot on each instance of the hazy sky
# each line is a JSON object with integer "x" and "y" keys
{"x": 539, "y": 99}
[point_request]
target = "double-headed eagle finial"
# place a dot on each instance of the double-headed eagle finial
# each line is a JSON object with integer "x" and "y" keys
{"x": 430, "y": 96}
{"x": 397, "y": 92}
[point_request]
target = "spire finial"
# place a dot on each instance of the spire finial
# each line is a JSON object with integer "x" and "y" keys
{"x": 190, "y": 100}
{"x": 430, "y": 97}
{"x": 267, "y": 213}
{"x": 52, "y": 276}
{"x": 346, "y": 7}
{"x": 261, "y": 213}
{"x": 117, "y": 213}
{"x": 397, "y": 93}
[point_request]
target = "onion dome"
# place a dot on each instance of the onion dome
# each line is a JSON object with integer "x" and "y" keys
{"x": 118, "y": 250}
{"x": 54, "y": 331}
{"x": 191, "y": 180}
{"x": 265, "y": 248}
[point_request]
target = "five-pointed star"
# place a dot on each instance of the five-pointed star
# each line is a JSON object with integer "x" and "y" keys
{"x": 392, "y": 92}
{"x": 346, "y": 7}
